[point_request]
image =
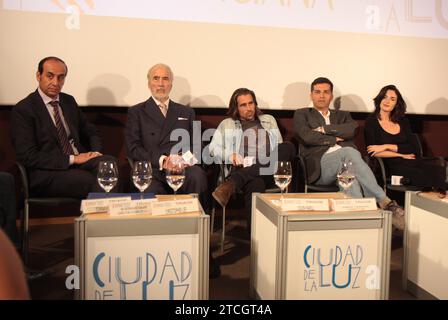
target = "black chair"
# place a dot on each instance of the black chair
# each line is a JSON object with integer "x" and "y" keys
{"x": 386, "y": 180}
{"x": 385, "y": 176}
{"x": 28, "y": 201}
{"x": 223, "y": 168}
{"x": 308, "y": 186}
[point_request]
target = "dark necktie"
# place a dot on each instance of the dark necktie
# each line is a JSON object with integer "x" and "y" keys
{"x": 62, "y": 134}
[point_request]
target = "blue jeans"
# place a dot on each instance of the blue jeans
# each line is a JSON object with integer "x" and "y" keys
{"x": 365, "y": 184}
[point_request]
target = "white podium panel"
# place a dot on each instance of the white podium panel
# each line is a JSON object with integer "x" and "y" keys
{"x": 321, "y": 268}
{"x": 143, "y": 257}
{"x": 318, "y": 255}
{"x": 425, "y": 268}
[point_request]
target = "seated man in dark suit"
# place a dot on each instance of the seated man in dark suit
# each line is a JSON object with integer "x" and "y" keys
{"x": 158, "y": 129}
{"x": 53, "y": 139}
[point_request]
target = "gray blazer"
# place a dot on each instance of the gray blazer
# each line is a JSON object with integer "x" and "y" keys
{"x": 313, "y": 144}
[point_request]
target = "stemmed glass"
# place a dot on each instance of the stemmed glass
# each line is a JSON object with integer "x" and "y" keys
{"x": 107, "y": 175}
{"x": 283, "y": 175}
{"x": 346, "y": 175}
{"x": 142, "y": 175}
{"x": 175, "y": 176}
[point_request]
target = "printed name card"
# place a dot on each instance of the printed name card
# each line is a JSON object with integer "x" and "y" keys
{"x": 189, "y": 158}
{"x": 126, "y": 206}
{"x": 303, "y": 204}
{"x": 100, "y": 205}
{"x": 248, "y": 162}
{"x": 161, "y": 208}
{"x": 363, "y": 204}
{"x": 143, "y": 206}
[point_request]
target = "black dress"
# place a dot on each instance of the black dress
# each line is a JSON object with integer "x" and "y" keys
{"x": 419, "y": 172}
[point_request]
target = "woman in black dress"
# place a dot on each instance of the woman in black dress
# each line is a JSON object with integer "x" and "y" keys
{"x": 388, "y": 135}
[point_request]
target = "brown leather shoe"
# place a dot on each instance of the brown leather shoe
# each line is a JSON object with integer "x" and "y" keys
{"x": 223, "y": 192}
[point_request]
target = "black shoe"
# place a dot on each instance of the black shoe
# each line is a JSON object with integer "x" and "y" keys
{"x": 441, "y": 193}
{"x": 214, "y": 269}
{"x": 36, "y": 275}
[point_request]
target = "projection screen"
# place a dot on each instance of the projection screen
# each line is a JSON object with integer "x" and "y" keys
{"x": 275, "y": 47}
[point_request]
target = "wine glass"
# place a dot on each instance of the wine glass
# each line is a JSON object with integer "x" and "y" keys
{"x": 175, "y": 176}
{"x": 107, "y": 175}
{"x": 346, "y": 175}
{"x": 142, "y": 175}
{"x": 283, "y": 175}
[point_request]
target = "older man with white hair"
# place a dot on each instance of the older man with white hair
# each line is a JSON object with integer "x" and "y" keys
{"x": 148, "y": 134}
{"x": 149, "y": 137}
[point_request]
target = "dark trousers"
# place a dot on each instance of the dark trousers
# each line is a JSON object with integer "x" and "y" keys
{"x": 195, "y": 182}
{"x": 77, "y": 181}
{"x": 249, "y": 180}
{"x": 8, "y": 206}
{"x": 422, "y": 173}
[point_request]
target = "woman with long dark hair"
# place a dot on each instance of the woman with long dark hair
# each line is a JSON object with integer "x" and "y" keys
{"x": 389, "y": 136}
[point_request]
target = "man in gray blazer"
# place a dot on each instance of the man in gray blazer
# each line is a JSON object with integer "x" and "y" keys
{"x": 326, "y": 138}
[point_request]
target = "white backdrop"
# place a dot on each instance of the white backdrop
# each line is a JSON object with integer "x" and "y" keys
{"x": 276, "y": 47}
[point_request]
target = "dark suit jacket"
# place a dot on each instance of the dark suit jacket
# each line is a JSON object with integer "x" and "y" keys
{"x": 35, "y": 138}
{"x": 313, "y": 144}
{"x": 148, "y": 131}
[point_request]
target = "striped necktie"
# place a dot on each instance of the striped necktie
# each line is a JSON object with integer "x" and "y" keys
{"x": 163, "y": 108}
{"x": 62, "y": 134}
